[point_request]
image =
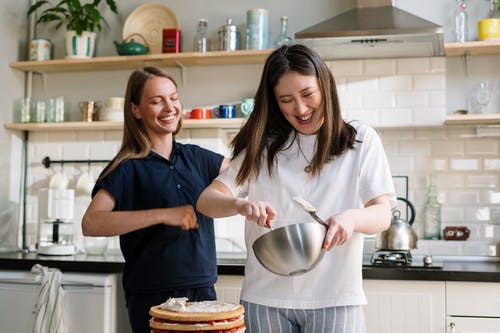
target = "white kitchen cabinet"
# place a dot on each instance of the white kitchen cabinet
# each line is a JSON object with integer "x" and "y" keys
{"x": 398, "y": 306}
{"x": 472, "y": 325}
{"x": 473, "y": 307}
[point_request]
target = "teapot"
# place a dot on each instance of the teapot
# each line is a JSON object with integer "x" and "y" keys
{"x": 131, "y": 47}
{"x": 400, "y": 235}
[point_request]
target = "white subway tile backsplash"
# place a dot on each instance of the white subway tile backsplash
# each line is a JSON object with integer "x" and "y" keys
{"x": 452, "y": 214}
{"x": 412, "y": 99}
{"x": 395, "y": 83}
{"x": 395, "y": 117}
{"x": 361, "y": 84}
{"x": 379, "y": 67}
{"x": 481, "y": 147}
{"x": 438, "y": 64}
{"x": 492, "y": 164}
{"x": 450, "y": 180}
{"x": 481, "y": 181}
{"x": 461, "y": 197}
{"x": 448, "y": 148}
{"x": 477, "y": 213}
{"x": 350, "y": 101}
{"x": 438, "y": 98}
{"x": 429, "y": 82}
{"x": 429, "y": 116}
{"x": 346, "y": 67}
{"x": 401, "y": 165}
{"x": 464, "y": 164}
{"x": 379, "y": 100}
{"x": 414, "y": 148}
{"x": 491, "y": 197}
{"x": 412, "y": 65}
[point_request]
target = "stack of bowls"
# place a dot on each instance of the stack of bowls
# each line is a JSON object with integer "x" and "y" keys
{"x": 113, "y": 110}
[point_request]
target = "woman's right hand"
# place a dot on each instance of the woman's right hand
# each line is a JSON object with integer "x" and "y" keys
{"x": 182, "y": 216}
{"x": 259, "y": 212}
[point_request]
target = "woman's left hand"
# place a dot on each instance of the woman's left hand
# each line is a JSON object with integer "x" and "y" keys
{"x": 340, "y": 229}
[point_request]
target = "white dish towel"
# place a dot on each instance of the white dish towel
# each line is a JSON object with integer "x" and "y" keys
{"x": 49, "y": 315}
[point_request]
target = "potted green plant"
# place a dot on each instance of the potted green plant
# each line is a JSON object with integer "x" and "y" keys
{"x": 80, "y": 19}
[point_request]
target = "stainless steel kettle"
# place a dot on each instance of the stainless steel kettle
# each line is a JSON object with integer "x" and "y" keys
{"x": 400, "y": 235}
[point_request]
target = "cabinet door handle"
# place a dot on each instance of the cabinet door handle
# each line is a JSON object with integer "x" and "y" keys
{"x": 452, "y": 327}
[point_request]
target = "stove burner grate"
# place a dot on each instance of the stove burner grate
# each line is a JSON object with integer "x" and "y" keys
{"x": 391, "y": 257}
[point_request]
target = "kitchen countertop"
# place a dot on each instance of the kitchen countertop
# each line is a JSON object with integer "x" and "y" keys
{"x": 452, "y": 270}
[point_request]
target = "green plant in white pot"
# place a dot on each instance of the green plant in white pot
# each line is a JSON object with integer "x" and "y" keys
{"x": 80, "y": 19}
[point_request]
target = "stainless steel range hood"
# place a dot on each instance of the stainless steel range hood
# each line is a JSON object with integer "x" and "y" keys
{"x": 374, "y": 29}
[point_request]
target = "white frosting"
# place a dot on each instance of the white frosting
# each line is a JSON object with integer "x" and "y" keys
{"x": 175, "y": 304}
{"x": 181, "y": 305}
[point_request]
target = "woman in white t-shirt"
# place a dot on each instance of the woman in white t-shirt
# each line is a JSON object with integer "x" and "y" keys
{"x": 295, "y": 142}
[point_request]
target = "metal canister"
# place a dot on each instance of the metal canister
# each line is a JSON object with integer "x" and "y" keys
{"x": 257, "y": 29}
{"x": 40, "y": 49}
{"x": 229, "y": 37}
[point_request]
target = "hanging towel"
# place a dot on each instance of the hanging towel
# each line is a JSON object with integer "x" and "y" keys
{"x": 49, "y": 315}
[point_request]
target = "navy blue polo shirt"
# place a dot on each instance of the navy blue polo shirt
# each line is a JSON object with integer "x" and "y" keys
{"x": 162, "y": 257}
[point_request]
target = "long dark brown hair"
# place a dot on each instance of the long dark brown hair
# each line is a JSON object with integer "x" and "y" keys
{"x": 136, "y": 142}
{"x": 267, "y": 128}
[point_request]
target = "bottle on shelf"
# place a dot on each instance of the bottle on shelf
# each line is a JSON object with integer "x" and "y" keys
{"x": 201, "y": 41}
{"x": 283, "y": 38}
{"x": 432, "y": 212}
{"x": 460, "y": 21}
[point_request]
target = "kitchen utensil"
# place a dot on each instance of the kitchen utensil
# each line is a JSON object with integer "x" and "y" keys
{"x": 130, "y": 47}
{"x": 400, "y": 235}
{"x": 149, "y": 20}
{"x": 291, "y": 250}
{"x": 310, "y": 209}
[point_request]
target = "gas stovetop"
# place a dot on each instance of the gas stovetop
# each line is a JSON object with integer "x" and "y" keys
{"x": 400, "y": 259}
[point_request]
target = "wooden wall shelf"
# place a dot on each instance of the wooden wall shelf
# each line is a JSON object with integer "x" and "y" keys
{"x": 233, "y": 123}
{"x": 473, "y": 119}
{"x": 472, "y": 48}
{"x": 184, "y": 59}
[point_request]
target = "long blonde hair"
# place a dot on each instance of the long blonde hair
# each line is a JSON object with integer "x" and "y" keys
{"x": 136, "y": 142}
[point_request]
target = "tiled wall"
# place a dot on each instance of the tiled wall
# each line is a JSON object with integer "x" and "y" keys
{"x": 405, "y": 99}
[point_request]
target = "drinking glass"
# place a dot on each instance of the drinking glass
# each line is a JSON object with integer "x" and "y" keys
{"x": 482, "y": 93}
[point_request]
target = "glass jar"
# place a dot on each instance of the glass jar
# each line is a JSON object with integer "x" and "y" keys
{"x": 201, "y": 42}
{"x": 432, "y": 212}
{"x": 283, "y": 38}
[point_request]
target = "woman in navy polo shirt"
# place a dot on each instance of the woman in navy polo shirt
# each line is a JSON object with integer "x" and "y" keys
{"x": 146, "y": 196}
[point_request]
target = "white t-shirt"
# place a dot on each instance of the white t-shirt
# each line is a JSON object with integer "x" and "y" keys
{"x": 347, "y": 182}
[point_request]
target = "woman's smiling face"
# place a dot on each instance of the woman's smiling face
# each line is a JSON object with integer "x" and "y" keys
{"x": 160, "y": 108}
{"x": 299, "y": 99}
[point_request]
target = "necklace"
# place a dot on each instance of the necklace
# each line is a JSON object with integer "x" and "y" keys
{"x": 308, "y": 167}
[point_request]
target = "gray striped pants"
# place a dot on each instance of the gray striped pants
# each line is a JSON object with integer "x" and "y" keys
{"x": 339, "y": 319}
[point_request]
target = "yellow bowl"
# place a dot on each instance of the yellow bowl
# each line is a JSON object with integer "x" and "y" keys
{"x": 489, "y": 29}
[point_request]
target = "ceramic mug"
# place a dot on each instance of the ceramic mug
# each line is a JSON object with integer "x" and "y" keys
{"x": 225, "y": 111}
{"x": 247, "y": 106}
{"x": 199, "y": 113}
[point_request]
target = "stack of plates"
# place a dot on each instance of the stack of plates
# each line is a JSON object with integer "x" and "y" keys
{"x": 111, "y": 114}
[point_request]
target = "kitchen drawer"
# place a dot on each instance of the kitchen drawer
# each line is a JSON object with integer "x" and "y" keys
{"x": 477, "y": 299}
{"x": 472, "y": 325}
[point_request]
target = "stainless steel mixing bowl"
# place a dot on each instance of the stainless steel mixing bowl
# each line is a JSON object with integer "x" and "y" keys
{"x": 291, "y": 250}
